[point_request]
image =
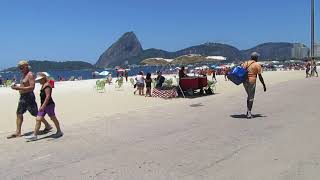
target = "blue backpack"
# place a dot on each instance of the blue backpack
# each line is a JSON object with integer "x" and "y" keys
{"x": 238, "y": 74}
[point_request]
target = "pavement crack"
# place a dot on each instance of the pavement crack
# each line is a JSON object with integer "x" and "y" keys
{"x": 225, "y": 158}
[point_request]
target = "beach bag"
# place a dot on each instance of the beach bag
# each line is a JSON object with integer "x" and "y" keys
{"x": 51, "y": 82}
{"x": 238, "y": 74}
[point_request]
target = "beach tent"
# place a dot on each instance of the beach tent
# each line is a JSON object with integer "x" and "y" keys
{"x": 104, "y": 73}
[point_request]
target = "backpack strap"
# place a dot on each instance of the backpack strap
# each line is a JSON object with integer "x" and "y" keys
{"x": 249, "y": 65}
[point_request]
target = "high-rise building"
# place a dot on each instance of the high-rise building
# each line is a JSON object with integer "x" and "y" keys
{"x": 316, "y": 50}
{"x": 300, "y": 51}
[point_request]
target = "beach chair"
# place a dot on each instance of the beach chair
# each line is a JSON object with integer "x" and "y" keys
{"x": 8, "y": 83}
{"x": 168, "y": 82}
{"x": 212, "y": 85}
{"x": 119, "y": 82}
{"x": 132, "y": 82}
{"x": 154, "y": 83}
{"x": 100, "y": 86}
{"x": 179, "y": 87}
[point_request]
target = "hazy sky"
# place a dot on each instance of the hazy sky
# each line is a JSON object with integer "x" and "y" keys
{"x": 83, "y": 29}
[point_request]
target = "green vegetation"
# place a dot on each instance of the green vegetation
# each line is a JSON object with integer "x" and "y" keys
{"x": 53, "y": 66}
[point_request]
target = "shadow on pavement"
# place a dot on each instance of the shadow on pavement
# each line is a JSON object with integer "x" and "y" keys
{"x": 244, "y": 116}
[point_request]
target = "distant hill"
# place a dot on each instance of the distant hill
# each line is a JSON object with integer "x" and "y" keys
{"x": 128, "y": 50}
{"x": 270, "y": 51}
{"x": 38, "y": 66}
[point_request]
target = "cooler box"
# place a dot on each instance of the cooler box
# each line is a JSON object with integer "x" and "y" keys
{"x": 238, "y": 75}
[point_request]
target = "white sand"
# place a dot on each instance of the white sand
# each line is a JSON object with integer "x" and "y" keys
{"x": 77, "y": 103}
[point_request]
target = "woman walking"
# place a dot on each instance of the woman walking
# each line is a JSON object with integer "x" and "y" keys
{"x": 47, "y": 107}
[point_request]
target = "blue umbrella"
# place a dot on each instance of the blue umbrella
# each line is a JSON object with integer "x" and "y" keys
{"x": 214, "y": 66}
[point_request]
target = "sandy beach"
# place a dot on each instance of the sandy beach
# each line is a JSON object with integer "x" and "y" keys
{"x": 117, "y": 135}
{"x": 78, "y": 103}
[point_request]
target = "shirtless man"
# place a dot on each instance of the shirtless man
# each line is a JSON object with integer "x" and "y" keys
{"x": 27, "y": 99}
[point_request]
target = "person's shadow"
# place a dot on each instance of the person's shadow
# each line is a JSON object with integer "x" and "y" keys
{"x": 244, "y": 116}
{"x": 49, "y": 137}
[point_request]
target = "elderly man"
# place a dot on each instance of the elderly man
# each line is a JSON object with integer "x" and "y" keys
{"x": 254, "y": 70}
{"x": 27, "y": 99}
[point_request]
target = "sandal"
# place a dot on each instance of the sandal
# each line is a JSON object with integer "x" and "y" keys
{"x": 46, "y": 130}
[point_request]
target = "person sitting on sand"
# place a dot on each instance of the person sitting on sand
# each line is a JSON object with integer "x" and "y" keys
{"x": 159, "y": 80}
{"x": 27, "y": 100}
{"x": 47, "y": 107}
{"x": 254, "y": 69}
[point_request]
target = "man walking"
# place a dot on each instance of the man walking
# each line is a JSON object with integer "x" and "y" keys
{"x": 254, "y": 70}
{"x": 27, "y": 99}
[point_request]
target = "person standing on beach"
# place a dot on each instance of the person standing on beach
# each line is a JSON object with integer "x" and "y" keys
{"x": 308, "y": 67}
{"x": 27, "y": 99}
{"x": 148, "y": 81}
{"x": 254, "y": 69}
{"x": 47, "y": 107}
{"x": 214, "y": 75}
{"x": 140, "y": 83}
{"x": 314, "y": 68}
{"x": 126, "y": 75}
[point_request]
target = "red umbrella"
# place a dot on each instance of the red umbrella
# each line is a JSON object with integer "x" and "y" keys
{"x": 121, "y": 70}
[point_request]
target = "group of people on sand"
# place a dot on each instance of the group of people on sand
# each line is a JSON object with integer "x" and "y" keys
{"x": 145, "y": 82}
{"x": 311, "y": 68}
{"x": 27, "y": 102}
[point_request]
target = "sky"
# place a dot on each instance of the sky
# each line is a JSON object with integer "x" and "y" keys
{"x": 83, "y": 29}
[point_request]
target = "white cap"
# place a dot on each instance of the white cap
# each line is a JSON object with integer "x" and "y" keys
{"x": 42, "y": 75}
{"x": 255, "y": 54}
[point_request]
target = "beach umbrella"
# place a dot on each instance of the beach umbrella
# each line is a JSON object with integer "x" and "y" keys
{"x": 121, "y": 70}
{"x": 95, "y": 73}
{"x": 155, "y": 61}
{"x": 104, "y": 73}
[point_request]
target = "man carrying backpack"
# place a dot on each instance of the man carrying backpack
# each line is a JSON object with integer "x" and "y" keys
{"x": 254, "y": 69}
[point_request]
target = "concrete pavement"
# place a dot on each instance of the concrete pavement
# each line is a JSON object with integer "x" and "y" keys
{"x": 204, "y": 138}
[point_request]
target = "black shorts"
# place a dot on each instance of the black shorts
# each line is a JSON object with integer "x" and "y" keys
{"x": 27, "y": 101}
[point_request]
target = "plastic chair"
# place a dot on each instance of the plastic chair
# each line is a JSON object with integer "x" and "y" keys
{"x": 119, "y": 82}
{"x": 100, "y": 86}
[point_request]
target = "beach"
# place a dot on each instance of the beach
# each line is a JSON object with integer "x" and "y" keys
{"x": 200, "y": 138}
{"x": 78, "y": 102}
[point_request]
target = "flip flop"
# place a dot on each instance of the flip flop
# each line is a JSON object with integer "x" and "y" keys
{"x": 46, "y": 130}
{"x": 13, "y": 136}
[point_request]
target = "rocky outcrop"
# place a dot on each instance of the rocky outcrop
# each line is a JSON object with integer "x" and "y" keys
{"x": 126, "y": 47}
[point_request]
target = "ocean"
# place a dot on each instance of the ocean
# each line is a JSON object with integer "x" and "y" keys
{"x": 87, "y": 74}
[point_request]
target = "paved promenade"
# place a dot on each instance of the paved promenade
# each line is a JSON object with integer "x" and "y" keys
{"x": 195, "y": 139}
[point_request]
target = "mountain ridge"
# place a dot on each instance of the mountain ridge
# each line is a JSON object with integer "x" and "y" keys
{"x": 135, "y": 53}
